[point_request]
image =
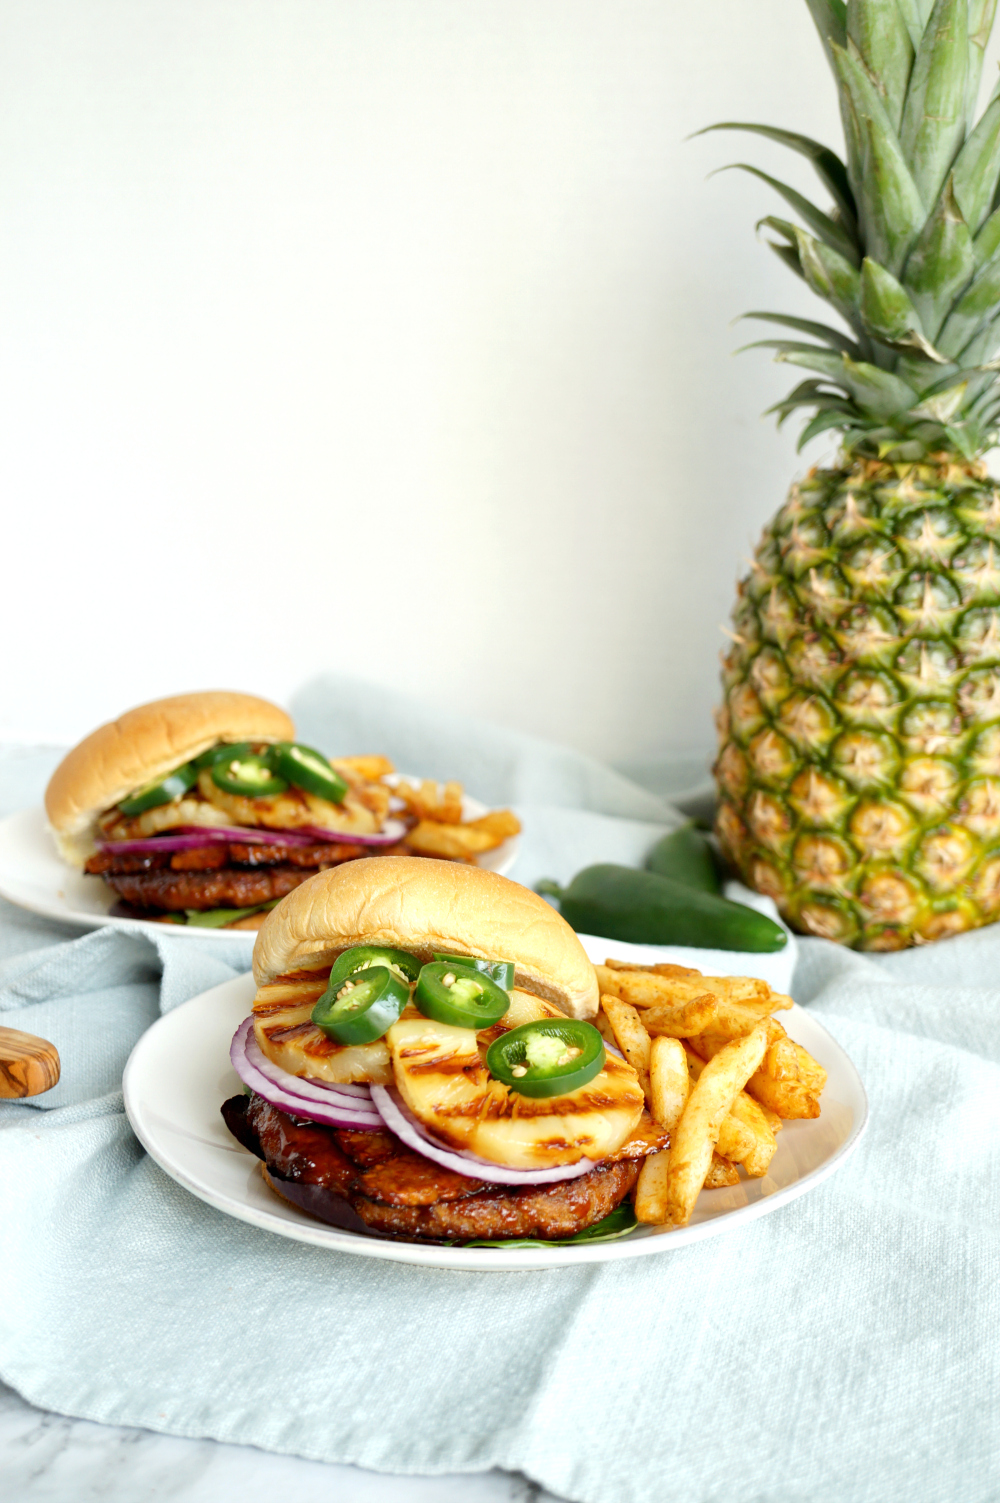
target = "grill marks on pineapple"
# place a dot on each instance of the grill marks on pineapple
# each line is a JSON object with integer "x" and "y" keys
{"x": 286, "y": 1034}
{"x": 859, "y": 761}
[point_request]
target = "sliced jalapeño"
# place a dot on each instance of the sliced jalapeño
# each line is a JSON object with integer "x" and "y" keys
{"x": 222, "y": 749}
{"x": 550, "y": 1057}
{"x": 459, "y": 995}
{"x": 363, "y": 957}
{"x": 361, "y": 1011}
{"x": 174, "y": 785}
{"x": 309, "y": 770}
{"x": 500, "y": 971}
{"x": 250, "y": 775}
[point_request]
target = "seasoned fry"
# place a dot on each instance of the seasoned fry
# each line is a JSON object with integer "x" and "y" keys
{"x": 375, "y": 796}
{"x": 720, "y": 1173}
{"x": 653, "y": 988}
{"x": 750, "y": 1114}
{"x": 736, "y": 1139}
{"x": 708, "y": 1105}
{"x": 362, "y": 769}
{"x": 811, "y": 1072}
{"x": 428, "y": 838}
{"x": 651, "y": 1189}
{"x": 669, "y": 1080}
{"x": 603, "y": 1024}
{"x": 682, "y": 1021}
{"x": 728, "y": 1025}
{"x": 664, "y": 969}
{"x": 790, "y": 1099}
{"x": 710, "y": 1017}
{"x": 500, "y": 823}
{"x": 780, "y": 1060}
{"x": 631, "y": 1038}
{"x": 670, "y": 1084}
{"x": 431, "y": 800}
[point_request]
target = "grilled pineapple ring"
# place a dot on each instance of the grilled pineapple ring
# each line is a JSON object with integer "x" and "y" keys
{"x": 287, "y": 1037}
{"x": 440, "y": 1073}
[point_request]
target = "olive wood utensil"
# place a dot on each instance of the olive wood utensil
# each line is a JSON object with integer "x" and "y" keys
{"x": 28, "y": 1065}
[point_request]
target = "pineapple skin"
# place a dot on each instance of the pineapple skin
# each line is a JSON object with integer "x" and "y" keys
{"x": 859, "y": 737}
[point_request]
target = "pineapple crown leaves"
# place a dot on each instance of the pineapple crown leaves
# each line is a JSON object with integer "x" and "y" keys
{"x": 908, "y": 253}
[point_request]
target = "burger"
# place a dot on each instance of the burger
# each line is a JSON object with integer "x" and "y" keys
{"x": 420, "y": 1062}
{"x": 203, "y": 809}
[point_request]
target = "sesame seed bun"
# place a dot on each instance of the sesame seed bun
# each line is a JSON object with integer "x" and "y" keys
{"x": 416, "y": 904}
{"x": 145, "y": 744}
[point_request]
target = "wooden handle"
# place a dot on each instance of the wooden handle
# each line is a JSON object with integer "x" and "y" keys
{"x": 28, "y": 1065}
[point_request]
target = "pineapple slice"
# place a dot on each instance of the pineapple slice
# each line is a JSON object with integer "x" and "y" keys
{"x": 440, "y": 1073}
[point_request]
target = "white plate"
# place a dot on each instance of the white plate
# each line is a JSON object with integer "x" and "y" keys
{"x": 32, "y": 876}
{"x": 179, "y": 1074}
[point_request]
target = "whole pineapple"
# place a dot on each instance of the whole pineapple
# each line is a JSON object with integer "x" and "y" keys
{"x": 859, "y": 761}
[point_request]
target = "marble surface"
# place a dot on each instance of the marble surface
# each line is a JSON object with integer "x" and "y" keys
{"x": 46, "y": 1458}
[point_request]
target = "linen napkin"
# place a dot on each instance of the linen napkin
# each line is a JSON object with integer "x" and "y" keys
{"x": 843, "y": 1349}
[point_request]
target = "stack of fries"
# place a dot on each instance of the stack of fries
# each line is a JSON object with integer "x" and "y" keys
{"x": 439, "y": 829}
{"x": 719, "y": 1071}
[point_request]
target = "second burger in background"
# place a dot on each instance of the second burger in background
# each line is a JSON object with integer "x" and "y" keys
{"x": 203, "y": 809}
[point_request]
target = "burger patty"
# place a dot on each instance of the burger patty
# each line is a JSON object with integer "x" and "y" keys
{"x": 395, "y": 1192}
{"x": 215, "y": 876}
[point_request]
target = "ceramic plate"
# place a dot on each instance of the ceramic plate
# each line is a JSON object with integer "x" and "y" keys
{"x": 32, "y": 876}
{"x": 179, "y": 1075}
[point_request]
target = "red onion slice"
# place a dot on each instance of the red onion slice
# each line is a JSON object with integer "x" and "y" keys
{"x": 189, "y": 837}
{"x": 298, "y": 1106}
{"x": 353, "y": 1097}
{"x": 401, "y": 1121}
{"x": 391, "y": 833}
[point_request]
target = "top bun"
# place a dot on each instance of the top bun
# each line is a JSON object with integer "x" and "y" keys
{"x": 414, "y": 903}
{"x": 145, "y": 744}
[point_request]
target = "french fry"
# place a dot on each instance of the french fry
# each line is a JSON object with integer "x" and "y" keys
{"x": 682, "y": 1020}
{"x": 736, "y": 1139}
{"x": 363, "y": 769}
{"x": 500, "y": 824}
{"x": 458, "y": 842}
{"x": 603, "y": 1024}
{"x": 731, "y": 1023}
{"x": 651, "y": 1189}
{"x": 664, "y": 969}
{"x": 631, "y": 1038}
{"x": 429, "y": 800}
{"x": 774, "y": 1122}
{"x": 670, "y": 1084}
{"x": 811, "y": 1072}
{"x": 376, "y": 797}
{"x": 697, "y": 1133}
{"x": 789, "y": 1099}
{"x": 780, "y": 1060}
{"x": 720, "y": 1173}
{"x": 669, "y": 1080}
{"x": 750, "y": 1114}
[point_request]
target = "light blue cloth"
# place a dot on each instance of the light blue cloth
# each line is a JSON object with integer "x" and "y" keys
{"x": 842, "y": 1350}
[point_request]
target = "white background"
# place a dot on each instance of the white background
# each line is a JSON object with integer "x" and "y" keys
{"x": 389, "y": 336}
